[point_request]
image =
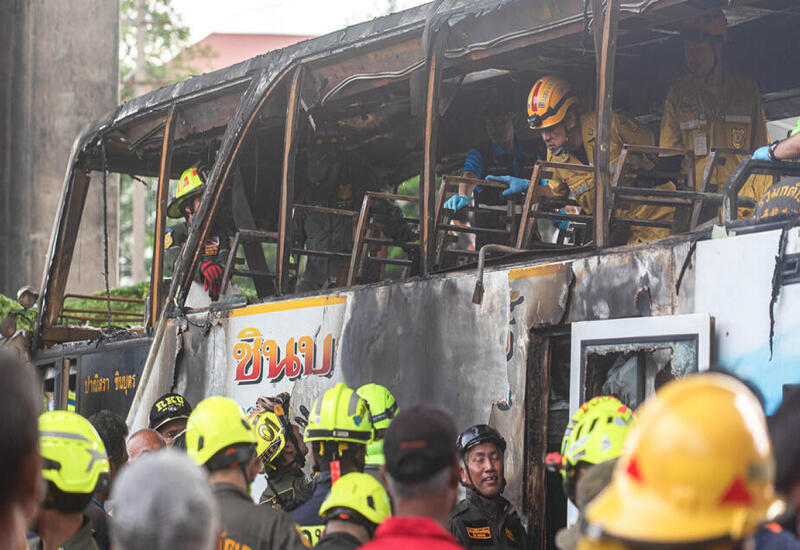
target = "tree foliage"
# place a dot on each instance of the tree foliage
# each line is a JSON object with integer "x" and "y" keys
{"x": 167, "y": 53}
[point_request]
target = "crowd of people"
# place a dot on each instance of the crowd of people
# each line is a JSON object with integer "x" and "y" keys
{"x": 693, "y": 466}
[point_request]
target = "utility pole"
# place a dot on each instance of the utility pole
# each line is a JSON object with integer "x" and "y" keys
{"x": 139, "y": 191}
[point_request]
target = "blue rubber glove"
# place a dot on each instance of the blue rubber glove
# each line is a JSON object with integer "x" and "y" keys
{"x": 762, "y": 153}
{"x": 515, "y": 185}
{"x": 563, "y": 225}
{"x": 456, "y": 202}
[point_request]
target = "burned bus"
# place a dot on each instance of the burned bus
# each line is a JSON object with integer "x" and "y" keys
{"x": 516, "y": 333}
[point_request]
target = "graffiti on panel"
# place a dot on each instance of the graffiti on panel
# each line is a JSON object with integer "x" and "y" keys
{"x": 259, "y": 359}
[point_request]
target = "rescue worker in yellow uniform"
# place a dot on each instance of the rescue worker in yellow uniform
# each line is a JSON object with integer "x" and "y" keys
{"x": 553, "y": 109}
{"x": 217, "y": 246}
{"x": 713, "y": 107}
{"x": 219, "y": 437}
{"x": 697, "y": 472}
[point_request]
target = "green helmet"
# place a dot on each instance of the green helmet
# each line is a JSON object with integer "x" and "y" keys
{"x": 383, "y": 408}
{"x": 595, "y": 434}
{"x": 270, "y": 439}
{"x": 75, "y": 459}
{"x": 217, "y": 424}
{"x": 359, "y": 493}
{"x": 341, "y": 415}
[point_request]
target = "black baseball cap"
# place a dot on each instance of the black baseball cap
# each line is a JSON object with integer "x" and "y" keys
{"x": 419, "y": 442}
{"x": 169, "y": 407}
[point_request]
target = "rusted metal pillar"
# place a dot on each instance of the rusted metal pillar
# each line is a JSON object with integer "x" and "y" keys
{"x": 157, "y": 270}
{"x": 605, "y": 53}
{"x": 538, "y": 410}
{"x": 63, "y": 398}
{"x": 287, "y": 180}
{"x": 427, "y": 187}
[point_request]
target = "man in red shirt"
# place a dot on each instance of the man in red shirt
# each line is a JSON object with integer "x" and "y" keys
{"x": 422, "y": 476}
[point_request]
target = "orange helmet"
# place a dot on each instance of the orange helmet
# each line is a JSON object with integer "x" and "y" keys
{"x": 709, "y": 24}
{"x": 549, "y": 100}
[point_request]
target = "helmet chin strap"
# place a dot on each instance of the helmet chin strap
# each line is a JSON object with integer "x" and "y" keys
{"x": 471, "y": 484}
{"x": 563, "y": 149}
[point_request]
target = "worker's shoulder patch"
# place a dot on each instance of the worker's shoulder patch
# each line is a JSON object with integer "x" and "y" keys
{"x": 479, "y": 533}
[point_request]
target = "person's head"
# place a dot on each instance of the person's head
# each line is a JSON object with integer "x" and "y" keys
{"x": 20, "y": 462}
{"x": 697, "y": 469}
{"x": 143, "y": 442}
{"x": 191, "y": 186}
{"x": 163, "y": 502}
{"x": 339, "y": 429}
{"x": 271, "y": 435}
{"x": 219, "y": 437}
{"x": 294, "y": 448}
{"x": 481, "y": 450}
{"x": 113, "y": 431}
{"x": 553, "y": 111}
{"x": 703, "y": 40}
{"x": 421, "y": 469}
{"x": 168, "y": 415}
{"x": 383, "y": 408}
{"x": 357, "y": 504}
{"x": 75, "y": 461}
{"x": 595, "y": 434}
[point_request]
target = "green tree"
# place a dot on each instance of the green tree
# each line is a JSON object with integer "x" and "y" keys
{"x": 168, "y": 58}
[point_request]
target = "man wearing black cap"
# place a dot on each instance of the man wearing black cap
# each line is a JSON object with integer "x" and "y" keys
{"x": 484, "y": 519}
{"x": 421, "y": 473}
{"x": 168, "y": 415}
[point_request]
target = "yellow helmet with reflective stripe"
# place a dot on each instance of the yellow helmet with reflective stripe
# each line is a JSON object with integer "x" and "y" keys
{"x": 341, "y": 415}
{"x": 217, "y": 424}
{"x": 270, "y": 439}
{"x": 360, "y": 493}
{"x": 697, "y": 467}
{"x": 75, "y": 459}
{"x": 190, "y": 185}
{"x": 595, "y": 434}
{"x": 548, "y": 102}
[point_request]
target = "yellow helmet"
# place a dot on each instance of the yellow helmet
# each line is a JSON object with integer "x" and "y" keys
{"x": 595, "y": 434}
{"x": 341, "y": 415}
{"x": 270, "y": 439}
{"x": 359, "y": 493}
{"x": 697, "y": 467}
{"x": 75, "y": 459}
{"x": 190, "y": 185}
{"x": 548, "y": 102}
{"x": 217, "y": 424}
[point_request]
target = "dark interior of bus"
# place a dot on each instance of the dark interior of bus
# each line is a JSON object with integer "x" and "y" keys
{"x": 380, "y": 125}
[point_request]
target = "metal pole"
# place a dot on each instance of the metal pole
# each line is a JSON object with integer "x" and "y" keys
{"x": 427, "y": 187}
{"x": 157, "y": 270}
{"x": 605, "y": 55}
{"x": 287, "y": 181}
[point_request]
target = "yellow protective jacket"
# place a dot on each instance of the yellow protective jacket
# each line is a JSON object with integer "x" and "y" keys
{"x": 725, "y": 114}
{"x": 580, "y": 185}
